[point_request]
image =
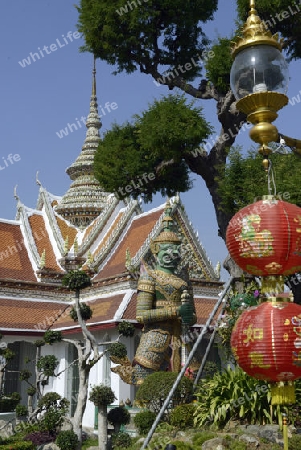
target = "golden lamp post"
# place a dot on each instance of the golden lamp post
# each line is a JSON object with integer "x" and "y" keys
{"x": 259, "y": 81}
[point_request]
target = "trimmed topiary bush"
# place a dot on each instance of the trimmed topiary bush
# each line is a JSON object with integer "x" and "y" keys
{"x": 102, "y": 395}
{"x": 183, "y": 416}
{"x": 127, "y": 329}
{"x": 117, "y": 350}
{"x": 118, "y": 416}
{"x": 21, "y": 411}
{"x": 122, "y": 440}
{"x": 156, "y": 387}
{"x": 67, "y": 440}
{"x": 85, "y": 311}
{"x": 144, "y": 420}
{"x": 51, "y": 336}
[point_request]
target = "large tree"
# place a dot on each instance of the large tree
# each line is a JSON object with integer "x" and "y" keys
{"x": 164, "y": 39}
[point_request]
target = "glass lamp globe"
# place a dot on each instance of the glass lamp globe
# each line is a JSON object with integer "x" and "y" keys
{"x": 259, "y": 68}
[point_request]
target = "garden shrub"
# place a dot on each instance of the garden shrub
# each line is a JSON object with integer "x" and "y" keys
{"x": 201, "y": 437}
{"x": 67, "y": 440}
{"x": 119, "y": 416}
{"x": 144, "y": 420}
{"x": 156, "y": 387}
{"x": 232, "y": 394}
{"x": 18, "y": 445}
{"x": 21, "y": 411}
{"x": 117, "y": 350}
{"x": 53, "y": 409}
{"x": 183, "y": 416}
{"x": 294, "y": 443}
{"x": 180, "y": 445}
{"x": 127, "y": 329}
{"x": 122, "y": 440}
{"x": 40, "y": 437}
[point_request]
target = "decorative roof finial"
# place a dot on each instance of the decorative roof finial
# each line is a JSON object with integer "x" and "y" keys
{"x": 37, "y": 179}
{"x": 15, "y": 193}
{"x": 94, "y": 78}
{"x": 252, "y": 7}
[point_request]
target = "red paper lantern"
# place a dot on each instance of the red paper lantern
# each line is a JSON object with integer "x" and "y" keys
{"x": 264, "y": 238}
{"x": 266, "y": 342}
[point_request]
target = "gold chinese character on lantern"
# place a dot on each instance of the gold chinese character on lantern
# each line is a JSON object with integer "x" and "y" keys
{"x": 252, "y": 334}
{"x": 257, "y": 360}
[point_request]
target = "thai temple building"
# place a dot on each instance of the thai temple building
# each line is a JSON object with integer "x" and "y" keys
{"x": 93, "y": 229}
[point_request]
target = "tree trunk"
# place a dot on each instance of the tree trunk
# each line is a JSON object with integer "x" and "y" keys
{"x": 77, "y": 420}
{"x": 102, "y": 427}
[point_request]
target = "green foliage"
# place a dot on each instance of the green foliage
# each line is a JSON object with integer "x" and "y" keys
{"x": 294, "y": 443}
{"x": 53, "y": 409}
{"x": 182, "y": 416}
{"x": 76, "y": 280}
{"x": 130, "y": 159}
{"x": 24, "y": 374}
{"x": 122, "y": 440}
{"x": 218, "y": 67}
{"x": 180, "y": 445}
{"x": 47, "y": 364}
{"x": 236, "y": 304}
{"x": 272, "y": 13}
{"x": 118, "y": 350}
{"x": 85, "y": 311}
{"x": 158, "y": 33}
{"x": 119, "y": 416}
{"x": 244, "y": 179}
{"x": 18, "y": 445}
{"x": 67, "y": 440}
{"x": 21, "y": 411}
{"x": 15, "y": 396}
{"x": 39, "y": 343}
{"x": 232, "y": 394}
{"x": 143, "y": 421}
{"x": 51, "y": 336}
{"x": 31, "y": 390}
{"x": 127, "y": 329}
{"x": 155, "y": 388}
{"x": 102, "y": 395}
{"x": 201, "y": 437}
{"x": 7, "y": 353}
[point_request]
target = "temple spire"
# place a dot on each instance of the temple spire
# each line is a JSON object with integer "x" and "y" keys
{"x": 94, "y": 78}
{"x": 85, "y": 199}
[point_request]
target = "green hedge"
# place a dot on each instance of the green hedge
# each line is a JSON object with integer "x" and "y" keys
{"x": 18, "y": 445}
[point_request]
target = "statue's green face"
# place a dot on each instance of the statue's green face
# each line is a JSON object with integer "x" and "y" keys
{"x": 169, "y": 255}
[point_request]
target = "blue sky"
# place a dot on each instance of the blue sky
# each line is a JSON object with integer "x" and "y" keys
{"x": 40, "y": 99}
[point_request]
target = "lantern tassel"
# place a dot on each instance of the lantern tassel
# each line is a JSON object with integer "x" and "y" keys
{"x": 283, "y": 393}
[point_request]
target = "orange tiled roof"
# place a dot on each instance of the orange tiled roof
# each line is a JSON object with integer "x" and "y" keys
{"x": 107, "y": 237}
{"x": 203, "y": 308}
{"x": 28, "y": 315}
{"x": 66, "y": 230}
{"x": 103, "y": 309}
{"x": 14, "y": 260}
{"x": 42, "y": 241}
{"x": 130, "y": 311}
{"x": 136, "y": 235}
